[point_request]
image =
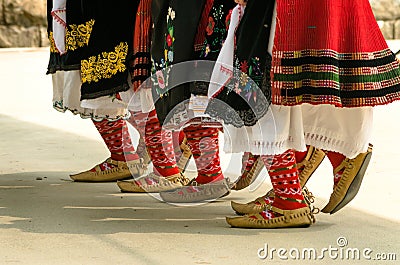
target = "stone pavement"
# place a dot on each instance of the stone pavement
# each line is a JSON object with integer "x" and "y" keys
{"x": 47, "y": 219}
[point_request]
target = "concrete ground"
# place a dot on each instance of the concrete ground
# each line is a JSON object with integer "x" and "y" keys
{"x": 47, "y": 219}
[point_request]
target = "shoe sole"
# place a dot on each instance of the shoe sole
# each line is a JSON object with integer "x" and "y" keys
{"x": 100, "y": 180}
{"x": 186, "y": 165}
{"x": 354, "y": 186}
{"x": 277, "y": 228}
{"x": 126, "y": 187}
{"x": 200, "y": 197}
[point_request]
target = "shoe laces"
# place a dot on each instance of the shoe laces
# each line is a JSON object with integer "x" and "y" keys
{"x": 310, "y": 199}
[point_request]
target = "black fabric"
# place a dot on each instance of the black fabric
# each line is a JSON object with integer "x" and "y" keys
{"x": 114, "y": 24}
{"x": 247, "y": 97}
{"x": 215, "y": 35}
{"x": 78, "y": 12}
{"x": 184, "y": 26}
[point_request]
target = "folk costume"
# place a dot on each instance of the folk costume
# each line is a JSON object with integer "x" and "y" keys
{"x": 181, "y": 32}
{"x": 326, "y": 75}
{"x": 89, "y": 66}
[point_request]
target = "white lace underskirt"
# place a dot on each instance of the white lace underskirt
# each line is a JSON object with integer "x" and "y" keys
{"x": 66, "y": 96}
{"x": 139, "y": 101}
{"x": 346, "y": 131}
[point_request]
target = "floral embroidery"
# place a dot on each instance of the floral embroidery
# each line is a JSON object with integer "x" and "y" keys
{"x": 160, "y": 79}
{"x": 169, "y": 39}
{"x": 207, "y": 50}
{"x": 53, "y": 48}
{"x": 162, "y": 69}
{"x": 248, "y": 78}
{"x": 78, "y": 35}
{"x": 244, "y": 67}
{"x": 216, "y": 31}
{"x": 171, "y": 13}
{"x": 210, "y": 26}
{"x": 104, "y": 65}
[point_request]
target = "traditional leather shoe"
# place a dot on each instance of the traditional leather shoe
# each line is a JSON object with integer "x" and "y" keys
{"x": 185, "y": 156}
{"x": 121, "y": 170}
{"x": 350, "y": 182}
{"x": 259, "y": 204}
{"x": 248, "y": 177}
{"x": 310, "y": 163}
{"x": 144, "y": 154}
{"x": 195, "y": 192}
{"x": 253, "y": 207}
{"x": 153, "y": 183}
{"x": 302, "y": 217}
{"x": 146, "y": 157}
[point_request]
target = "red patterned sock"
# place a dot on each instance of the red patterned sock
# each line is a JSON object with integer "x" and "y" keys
{"x": 267, "y": 199}
{"x": 177, "y": 139}
{"x": 248, "y": 161}
{"x": 116, "y": 136}
{"x": 336, "y": 159}
{"x": 160, "y": 147}
{"x": 138, "y": 121}
{"x": 285, "y": 181}
{"x": 300, "y": 156}
{"x": 203, "y": 142}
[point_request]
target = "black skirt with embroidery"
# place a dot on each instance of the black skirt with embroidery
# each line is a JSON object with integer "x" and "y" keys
{"x": 98, "y": 40}
{"x": 105, "y": 67}
{"x": 79, "y": 25}
{"x": 185, "y": 31}
{"x": 248, "y": 95}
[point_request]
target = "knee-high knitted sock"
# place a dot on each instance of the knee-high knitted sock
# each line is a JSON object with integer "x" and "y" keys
{"x": 160, "y": 147}
{"x": 300, "y": 156}
{"x": 203, "y": 143}
{"x": 138, "y": 121}
{"x": 116, "y": 136}
{"x": 335, "y": 159}
{"x": 285, "y": 182}
{"x": 177, "y": 139}
{"x": 248, "y": 161}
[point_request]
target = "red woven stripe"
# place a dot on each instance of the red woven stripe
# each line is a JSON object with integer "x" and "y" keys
{"x": 201, "y": 30}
